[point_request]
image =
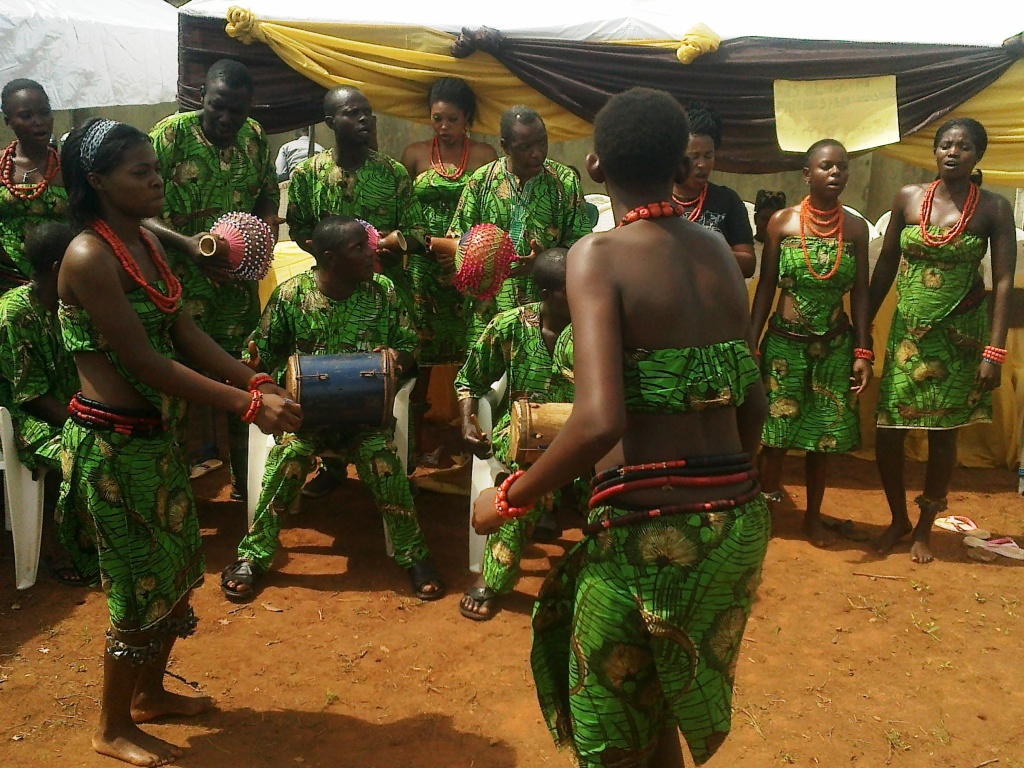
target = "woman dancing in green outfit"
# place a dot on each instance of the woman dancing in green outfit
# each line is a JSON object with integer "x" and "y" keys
{"x": 31, "y": 185}
{"x": 938, "y": 372}
{"x": 815, "y": 254}
{"x": 439, "y": 169}
{"x": 125, "y": 477}
{"x": 637, "y": 631}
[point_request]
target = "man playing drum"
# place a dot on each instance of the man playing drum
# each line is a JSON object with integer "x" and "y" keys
{"x": 339, "y": 306}
{"x": 519, "y": 344}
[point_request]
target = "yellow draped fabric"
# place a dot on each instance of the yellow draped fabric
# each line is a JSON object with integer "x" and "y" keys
{"x": 395, "y": 67}
{"x": 1000, "y": 108}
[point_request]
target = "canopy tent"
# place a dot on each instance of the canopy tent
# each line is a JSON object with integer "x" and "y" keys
{"x": 570, "y": 65}
{"x": 91, "y": 54}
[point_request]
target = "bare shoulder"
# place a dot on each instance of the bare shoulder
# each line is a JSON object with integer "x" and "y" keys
{"x": 416, "y": 157}
{"x": 481, "y": 153}
{"x": 785, "y": 222}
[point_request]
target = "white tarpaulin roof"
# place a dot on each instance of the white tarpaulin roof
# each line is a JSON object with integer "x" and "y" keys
{"x": 867, "y": 21}
{"x": 92, "y": 53}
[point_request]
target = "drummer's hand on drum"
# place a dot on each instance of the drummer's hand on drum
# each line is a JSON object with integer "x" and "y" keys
{"x": 399, "y": 361}
{"x": 278, "y": 414}
{"x": 475, "y": 439}
{"x": 485, "y": 517}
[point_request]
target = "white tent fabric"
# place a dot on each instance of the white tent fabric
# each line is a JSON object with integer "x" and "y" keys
{"x": 607, "y": 20}
{"x": 92, "y": 53}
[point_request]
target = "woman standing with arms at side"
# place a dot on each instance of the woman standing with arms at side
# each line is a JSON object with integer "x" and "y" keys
{"x": 812, "y": 352}
{"x": 637, "y": 630}
{"x": 125, "y": 477}
{"x": 713, "y": 206}
{"x": 439, "y": 169}
{"x": 31, "y": 185}
{"x": 941, "y": 361}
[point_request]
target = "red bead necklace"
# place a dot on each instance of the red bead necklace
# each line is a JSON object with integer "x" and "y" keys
{"x": 438, "y": 165}
{"x": 168, "y": 303}
{"x": 971, "y": 204}
{"x": 27, "y": 192}
{"x": 697, "y": 204}
{"x": 823, "y": 224}
{"x": 663, "y": 209}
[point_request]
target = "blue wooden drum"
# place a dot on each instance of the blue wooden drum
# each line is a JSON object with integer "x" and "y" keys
{"x": 341, "y": 393}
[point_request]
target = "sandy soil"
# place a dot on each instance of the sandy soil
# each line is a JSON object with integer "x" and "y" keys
{"x": 335, "y": 665}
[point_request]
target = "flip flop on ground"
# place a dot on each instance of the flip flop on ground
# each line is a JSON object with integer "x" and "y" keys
{"x": 244, "y": 575}
{"x": 423, "y": 574}
{"x": 476, "y": 598}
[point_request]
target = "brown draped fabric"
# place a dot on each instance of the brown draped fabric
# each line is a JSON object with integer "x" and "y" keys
{"x": 737, "y": 80}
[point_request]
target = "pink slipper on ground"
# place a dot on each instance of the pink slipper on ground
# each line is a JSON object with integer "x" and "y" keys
{"x": 961, "y": 524}
{"x": 1006, "y": 546}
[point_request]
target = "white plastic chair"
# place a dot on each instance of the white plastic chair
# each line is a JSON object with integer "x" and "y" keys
{"x": 605, "y": 216}
{"x": 260, "y": 445}
{"x": 23, "y": 505}
{"x": 883, "y": 223}
{"x": 485, "y": 471}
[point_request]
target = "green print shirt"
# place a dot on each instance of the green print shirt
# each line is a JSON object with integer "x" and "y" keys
{"x": 300, "y": 319}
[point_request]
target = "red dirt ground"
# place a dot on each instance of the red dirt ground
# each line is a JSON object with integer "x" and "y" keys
{"x": 335, "y": 665}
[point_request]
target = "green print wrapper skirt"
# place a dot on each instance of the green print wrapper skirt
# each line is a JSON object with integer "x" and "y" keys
{"x": 129, "y": 500}
{"x": 638, "y": 630}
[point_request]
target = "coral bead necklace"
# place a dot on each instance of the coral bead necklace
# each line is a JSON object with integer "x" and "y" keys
{"x": 696, "y": 205}
{"x": 823, "y": 224}
{"x": 663, "y": 209}
{"x": 438, "y": 165}
{"x": 166, "y": 304}
{"x": 970, "y": 206}
{"x": 27, "y": 192}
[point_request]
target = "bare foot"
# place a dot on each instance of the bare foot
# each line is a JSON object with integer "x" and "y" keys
{"x": 920, "y": 552}
{"x": 137, "y": 747}
{"x": 146, "y": 707}
{"x": 817, "y": 533}
{"x": 892, "y": 534}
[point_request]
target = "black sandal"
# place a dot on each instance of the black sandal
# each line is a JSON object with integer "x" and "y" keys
{"x": 243, "y": 572}
{"x": 63, "y": 571}
{"x": 482, "y": 597}
{"x": 423, "y": 573}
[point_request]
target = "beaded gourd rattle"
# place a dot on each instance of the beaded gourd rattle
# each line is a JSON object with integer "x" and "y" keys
{"x": 483, "y": 259}
{"x": 249, "y": 241}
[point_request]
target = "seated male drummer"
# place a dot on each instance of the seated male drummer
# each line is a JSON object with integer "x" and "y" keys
{"x": 338, "y": 306}
{"x": 518, "y": 343}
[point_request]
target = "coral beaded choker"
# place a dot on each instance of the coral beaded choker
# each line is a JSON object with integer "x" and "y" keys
{"x": 27, "y": 192}
{"x": 970, "y": 205}
{"x": 660, "y": 210}
{"x": 823, "y": 224}
{"x": 438, "y": 165}
{"x": 166, "y": 304}
{"x": 696, "y": 205}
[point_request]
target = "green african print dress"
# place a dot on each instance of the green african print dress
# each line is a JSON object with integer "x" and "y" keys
{"x": 129, "y": 499}
{"x": 201, "y": 183}
{"x": 379, "y": 192}
{"x": 806, "y": 363}
{"x": 299, "y": 318}
{"x": 33, "y": 363}
{"x": 638, "y": 629}
{"x": 548, "y": 208}
{"x": 17, "y": 218}
{"x": 938, "y": 333}
{"x": 438, "y": 308}
{"x": 512, "y": 345}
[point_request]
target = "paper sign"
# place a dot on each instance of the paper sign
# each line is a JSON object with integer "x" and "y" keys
{"x": 859, "y": 112}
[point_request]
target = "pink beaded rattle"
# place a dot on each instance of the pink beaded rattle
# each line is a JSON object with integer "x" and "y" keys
{"x": 249, "y": 241}
{"x": 483, "y": 260}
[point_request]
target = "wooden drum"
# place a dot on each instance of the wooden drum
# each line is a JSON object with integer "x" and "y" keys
{"x": 533, "y": 427}
{"x": 340, "y": 393}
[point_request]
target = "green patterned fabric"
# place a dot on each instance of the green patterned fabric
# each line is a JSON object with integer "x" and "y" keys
{"x": 438, "y": 309}
{"x": 299, "y": 318}
{"x": 934, "y": 348}
{"x": 638, "y": 629}
{"x": 33, "y": 363}
{"x": 512, "y": 345}
{"x": 548, "y": 208}
{"x": 129, "y": 499}
{"x": 201, "y": 183}
{"x": 379, "y": 192}
{"x": 810, "y": 405}
{"x": 17, "y": 218}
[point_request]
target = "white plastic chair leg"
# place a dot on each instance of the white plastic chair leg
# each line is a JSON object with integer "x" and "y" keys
{"x": 485, "y": 471}
{"x": 259, "y": 449}
{"x": 24, "y": 496}
{"x": 402, "y": 426}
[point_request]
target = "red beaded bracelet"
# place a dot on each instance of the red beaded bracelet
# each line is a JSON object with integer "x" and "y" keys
{"x": 501, "y": 498}
{"x": 258, "y": 380}
{"x": 864, "y": 354}
{"x": 254, "y": 407}
{"x": 994, "y": 355}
